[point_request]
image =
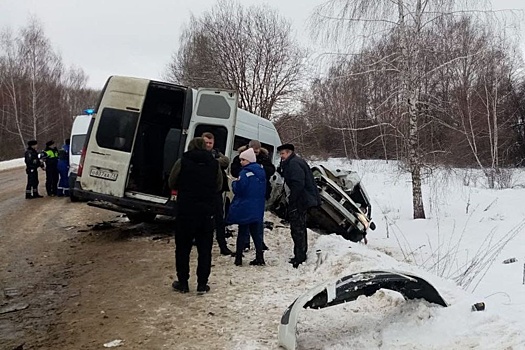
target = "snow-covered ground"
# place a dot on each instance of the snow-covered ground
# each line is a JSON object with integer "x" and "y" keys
{"x": 459, "y": 249}
{"x": 13, "y": 163}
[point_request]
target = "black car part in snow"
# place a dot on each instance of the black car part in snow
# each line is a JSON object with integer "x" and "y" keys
{"x": 349, "y": 288}
{"x": 345, "y": 207}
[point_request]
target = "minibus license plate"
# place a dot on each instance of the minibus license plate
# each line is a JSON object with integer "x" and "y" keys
{"x": 104, "y": 174}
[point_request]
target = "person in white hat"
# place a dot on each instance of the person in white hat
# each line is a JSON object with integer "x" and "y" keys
{"x": 247, "y": 208}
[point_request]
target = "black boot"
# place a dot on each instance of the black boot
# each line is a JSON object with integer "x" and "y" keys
{"x": 238, "y": 259}
{"x": 181, "y": 286}
{"x": 225, "y": 251}
{"x": 29, "y": 196}
{"x": 36, "y": 195}
{"x": 259, "y": 258}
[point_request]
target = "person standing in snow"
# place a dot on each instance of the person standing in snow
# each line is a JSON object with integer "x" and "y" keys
{"x": 263, "y": 157}
{"x": 303, "y": 196}
{"x": 247, "y": 208}
{"x": 197, "y": 178}
{"x": 220, "y": 226}
{"x": 51, "y": 160}
{"x": 32, "y": 164}
{"x": 63, "y": 169}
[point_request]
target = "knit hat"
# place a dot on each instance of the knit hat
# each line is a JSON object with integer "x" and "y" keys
{"x": 32, "y": 143}
{"x": 249, "y": 155}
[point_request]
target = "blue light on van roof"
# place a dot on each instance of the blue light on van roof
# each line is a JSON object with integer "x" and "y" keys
{"x": 89, "y": 111}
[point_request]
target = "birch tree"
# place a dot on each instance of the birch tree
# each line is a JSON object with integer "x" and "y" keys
{"x": 360, "y": 24}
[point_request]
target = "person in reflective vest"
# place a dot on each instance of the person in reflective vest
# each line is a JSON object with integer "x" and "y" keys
{"x": 32, "y": 164}
{"x": 50, "y": 156}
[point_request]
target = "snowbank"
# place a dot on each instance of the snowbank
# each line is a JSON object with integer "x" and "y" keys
{"x": 10, "y": 164}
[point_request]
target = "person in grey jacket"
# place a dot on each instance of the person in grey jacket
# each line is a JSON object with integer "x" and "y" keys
{"x": 303, "y": 196}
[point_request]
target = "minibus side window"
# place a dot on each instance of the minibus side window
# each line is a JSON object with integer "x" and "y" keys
{"x": 239, "y": 141}
{"x": 77, "y": 142}
{"x": 116, "y": 129}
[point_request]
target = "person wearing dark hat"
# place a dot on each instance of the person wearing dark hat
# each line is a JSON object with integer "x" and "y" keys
{"x": 303, "y": 195}
{"x": 51, "y": 160}
{"x": 197, "y": 178}
{"x": 32, "y": 165}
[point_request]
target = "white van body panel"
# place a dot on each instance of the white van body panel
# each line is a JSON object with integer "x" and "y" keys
{"x": 105, "y": 170}
{"x": 203, "y": 115}
{"x": 77, "y": 139}
{"x": 107, "y": 173}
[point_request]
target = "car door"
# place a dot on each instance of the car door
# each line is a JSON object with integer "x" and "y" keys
{"x": 109, "y": 149}
{"x": 214, "y": 108}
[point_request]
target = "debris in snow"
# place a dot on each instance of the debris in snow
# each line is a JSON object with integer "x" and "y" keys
{"x": 102, "y": 226}
{"x": 11, "y": 292}
{"x": 268, "y": 225}
{"x": 114, "y": 343}
{"x": 478, "y": 306}
{"x": 320, "y": 258}
{"x": 510, "y": 261}
{"x": 14, "y": 307}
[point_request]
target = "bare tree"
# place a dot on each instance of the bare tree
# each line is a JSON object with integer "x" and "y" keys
{"x": 250, "y": 50}
{"x": 361, "y": 24}
{"x": 37, "y": 97}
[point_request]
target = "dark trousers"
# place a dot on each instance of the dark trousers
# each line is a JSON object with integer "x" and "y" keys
{"x": 187, "y": 229}
{"x": 243, "y": 236}
{"x": 51, "y": 180}
{"x": 298, "y": 229}
{"x": 220, "y": 225}
{"x": 32, "y": 182}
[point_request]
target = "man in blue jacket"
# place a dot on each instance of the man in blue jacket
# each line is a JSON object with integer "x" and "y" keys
{"x": 303, "y": 196}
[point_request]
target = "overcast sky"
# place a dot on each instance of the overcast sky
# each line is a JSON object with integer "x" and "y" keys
{"x": 134, "y": 37}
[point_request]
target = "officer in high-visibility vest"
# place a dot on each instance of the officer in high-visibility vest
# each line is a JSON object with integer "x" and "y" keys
{"x": 51, "y": 160}
{"x": 32, "y": 164}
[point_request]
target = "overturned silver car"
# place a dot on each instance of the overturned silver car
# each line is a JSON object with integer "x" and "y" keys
{"x": 345, "y": 207}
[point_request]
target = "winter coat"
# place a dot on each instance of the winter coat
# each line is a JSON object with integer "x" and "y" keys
{"x": 263, "y": 158}
{"x": 31, "y": 159}
{"x": 223, "y": 164}
{"x": 300, "y": 180}
{"x": 197, "y": 178}
{"x": 248, "y": 202}
{"x": 50, "y": 156}
{"x": 63, "y": 163}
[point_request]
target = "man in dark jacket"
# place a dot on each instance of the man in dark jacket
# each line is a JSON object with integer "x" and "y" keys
{"x": 197, "y": 177}
{"x": 220, "y": 226}
{"x": 32, "y": 165}
{"x": 51, "y": 161}
{"x": 303, "y": 195}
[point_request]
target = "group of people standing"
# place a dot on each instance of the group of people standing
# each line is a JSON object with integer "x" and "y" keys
{"x": 199, "y": 178}
{"x": 56, "y": 164}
